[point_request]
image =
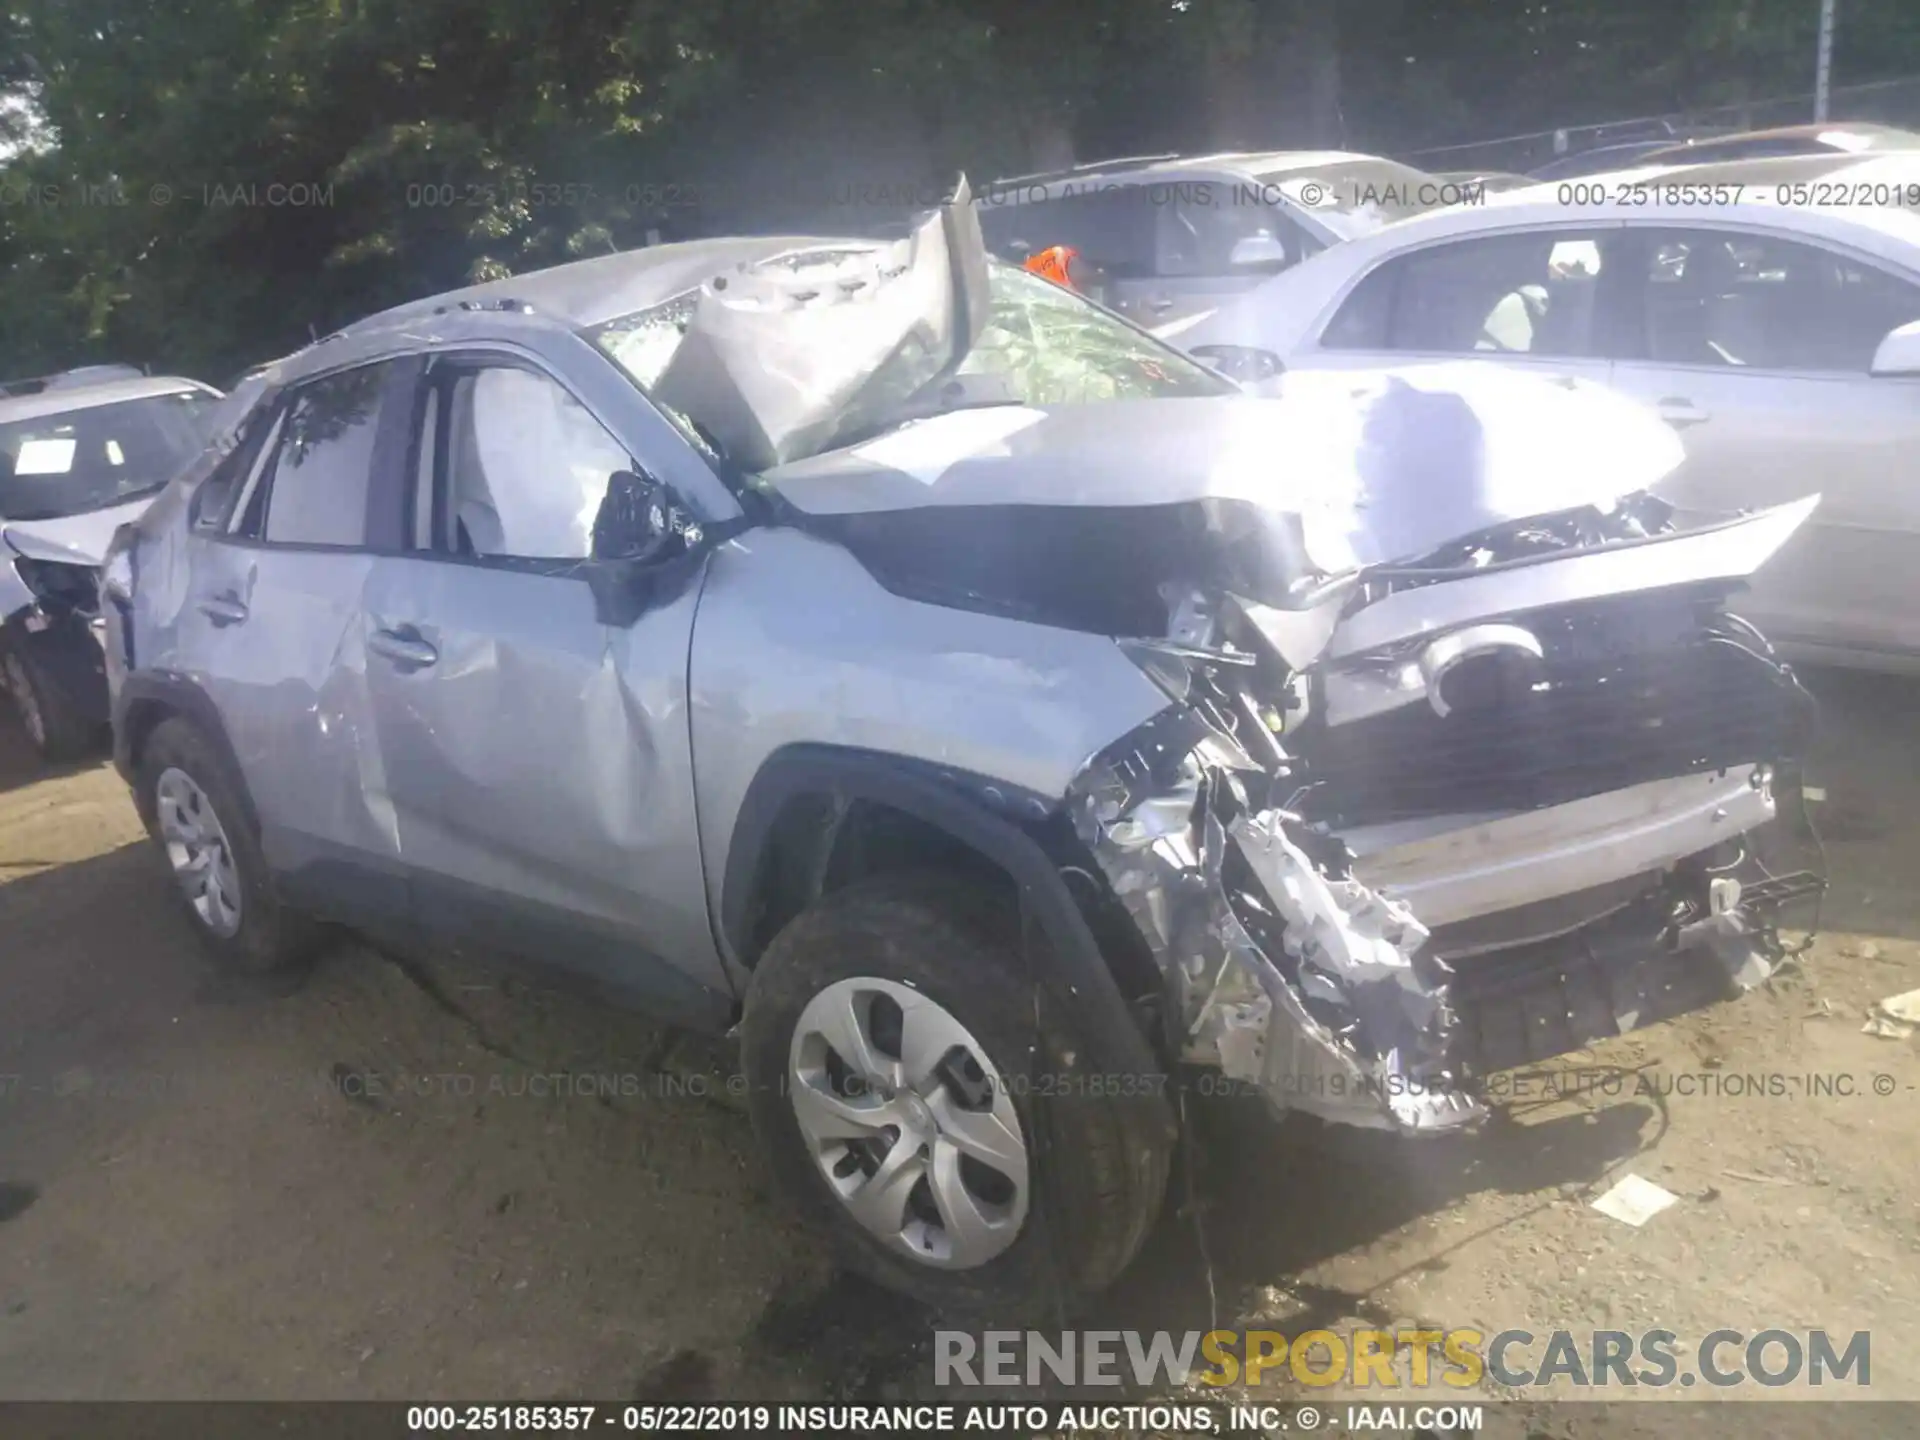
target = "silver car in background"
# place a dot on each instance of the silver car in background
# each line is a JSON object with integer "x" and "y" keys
{"x": 986, "y": 709}
{"x": 1772, "y": 321}
{"x": 80, "y": 455}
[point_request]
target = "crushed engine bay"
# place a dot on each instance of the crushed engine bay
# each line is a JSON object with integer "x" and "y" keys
{"x": 1372, "y": 879}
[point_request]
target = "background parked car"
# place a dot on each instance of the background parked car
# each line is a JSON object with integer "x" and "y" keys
{"x": 1491, "y": 182}
{"x": 80, "y": 455}
{"x": 1161, "y": 237}
{"x": 1776, "y": 338}
{"x": 1826, "y": 139}
{"x": 1599, "y": 159}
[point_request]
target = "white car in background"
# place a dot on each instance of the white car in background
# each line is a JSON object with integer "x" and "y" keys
{"x": 81, "y": 454}
{"x": 1779, "y": 339}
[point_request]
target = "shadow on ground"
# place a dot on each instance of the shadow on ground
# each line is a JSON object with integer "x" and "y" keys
{"x": 1272, "y": 1199}
{"x": 20, "y": 763}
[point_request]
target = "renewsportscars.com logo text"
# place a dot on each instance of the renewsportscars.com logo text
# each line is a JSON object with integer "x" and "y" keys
{"x": 1396, "y": 1359}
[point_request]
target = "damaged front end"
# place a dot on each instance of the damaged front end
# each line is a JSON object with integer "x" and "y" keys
{"x": 1463, "y": 756}
{"x": 1459, "y": 816}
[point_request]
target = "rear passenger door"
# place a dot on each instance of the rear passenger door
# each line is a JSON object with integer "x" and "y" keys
{"x": 1539, "y": 300}
{"x": 1757, "y": 349}
{"x": 535, "y": 763}
{"x": 271, "y": 627}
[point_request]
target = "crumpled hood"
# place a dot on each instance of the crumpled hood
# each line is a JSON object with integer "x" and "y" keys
{"x": 1374, "y": 465}
{"x": 72, "y": 539}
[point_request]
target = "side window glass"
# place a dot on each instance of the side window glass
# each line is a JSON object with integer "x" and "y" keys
{"x": 1362, "y": 321}
{"x": 1111, "y": 226}
{"x": 1503, "y": 295}
{"x": 213, "y": 501}
{"x": 1755, "y": 302}
{"x": 525, "y": 469}
{"x": 316, "y": 485}
{"x": 1006, "y": 227}
{"x": 1115, "y": 229}
{"x": 1210, "y": 229}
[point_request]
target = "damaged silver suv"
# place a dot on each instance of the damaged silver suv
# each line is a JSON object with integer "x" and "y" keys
{"x": 985, "y": 709}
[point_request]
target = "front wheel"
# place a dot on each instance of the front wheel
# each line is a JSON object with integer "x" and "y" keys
{"x": 929, "y": 1104}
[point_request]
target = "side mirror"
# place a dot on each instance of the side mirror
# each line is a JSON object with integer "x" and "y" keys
{"x": 645, "y": 549}
{"x": 635, "y": 519}
{"x": 1257, "y": 252}
{"x": 1899, "y": 353}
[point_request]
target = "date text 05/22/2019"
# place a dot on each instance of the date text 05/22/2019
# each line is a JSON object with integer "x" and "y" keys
{"x": 940, "y": 1419}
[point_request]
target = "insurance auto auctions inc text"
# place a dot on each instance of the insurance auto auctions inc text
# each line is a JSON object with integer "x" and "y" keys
{"x": 1396, "y": 1359}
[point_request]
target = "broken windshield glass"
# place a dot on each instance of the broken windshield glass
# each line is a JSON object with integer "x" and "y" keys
{"x": 1042, "y": 346}
{"x": 1049, "y": 347}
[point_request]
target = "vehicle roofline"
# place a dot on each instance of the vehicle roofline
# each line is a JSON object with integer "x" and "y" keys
{"x": 87, "y": 397}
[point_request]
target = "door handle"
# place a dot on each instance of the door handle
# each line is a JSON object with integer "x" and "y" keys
{"x": 223, "y": 609}
{"x": 403, "y": 647}
{"x": 1680, "y": 412}
{"x": 1160, "y": 304}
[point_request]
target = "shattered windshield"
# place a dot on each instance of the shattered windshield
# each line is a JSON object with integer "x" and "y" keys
{"x": 1043, "y": 345}
{"x": 79, "y": 460}
{"x": 1047, "y": 346}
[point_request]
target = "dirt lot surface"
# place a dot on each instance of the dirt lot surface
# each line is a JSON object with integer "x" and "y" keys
{"x": 210, "y": 1192}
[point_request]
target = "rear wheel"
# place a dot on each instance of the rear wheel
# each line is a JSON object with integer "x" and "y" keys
{"x": 192, "y": 806}
{"x": 930, "y": 1105}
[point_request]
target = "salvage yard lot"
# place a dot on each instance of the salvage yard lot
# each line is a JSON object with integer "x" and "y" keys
{"x": 412, "y": 1181}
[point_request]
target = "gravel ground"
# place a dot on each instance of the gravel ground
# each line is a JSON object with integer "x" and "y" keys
{"x": 382, "y": 1186}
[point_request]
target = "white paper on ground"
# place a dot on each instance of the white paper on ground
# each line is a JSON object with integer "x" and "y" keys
{"x": 1902, "y": 1007}
{"x": 1634, "y": 1201}
{"x": 1895, "y": 1018}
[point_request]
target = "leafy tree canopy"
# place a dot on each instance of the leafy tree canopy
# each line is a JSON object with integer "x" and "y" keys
{"x": 201, "y": 184}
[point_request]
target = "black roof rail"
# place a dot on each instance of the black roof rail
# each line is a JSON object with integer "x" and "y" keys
{"x": 1118, "y": 162}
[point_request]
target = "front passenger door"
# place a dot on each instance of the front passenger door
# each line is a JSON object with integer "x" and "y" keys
{"x": 536, "y": 761}
{"x": 1758, "y": 349}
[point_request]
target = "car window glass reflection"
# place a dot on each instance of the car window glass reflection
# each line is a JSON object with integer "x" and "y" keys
{"x": 1755, "y": 302}
{"x": 317, "y": 493}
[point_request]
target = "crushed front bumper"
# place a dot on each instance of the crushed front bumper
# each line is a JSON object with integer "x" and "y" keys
{"x": 1376, "y": 978}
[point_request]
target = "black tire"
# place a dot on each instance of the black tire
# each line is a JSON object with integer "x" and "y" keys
{"x": 271, "y": 939}
{"x": 1098, "y": 1154}
{"x": 53, "y": 725}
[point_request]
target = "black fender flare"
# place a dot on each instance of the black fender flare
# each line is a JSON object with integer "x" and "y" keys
{"x": 977, "y": 812}
{"x": 171, "y": 693}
